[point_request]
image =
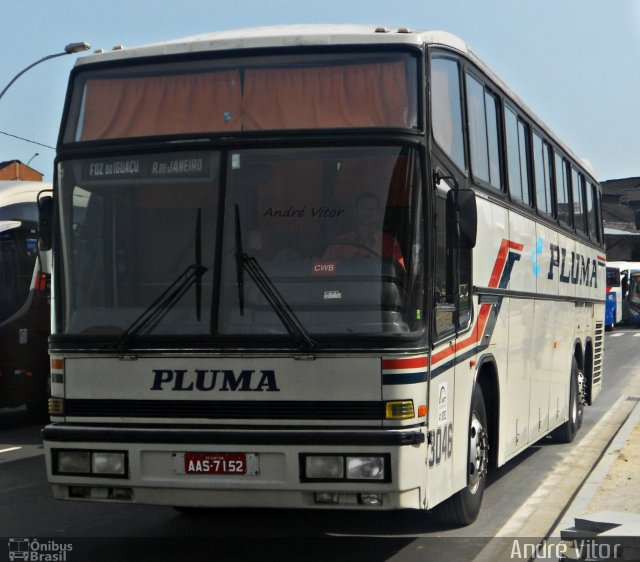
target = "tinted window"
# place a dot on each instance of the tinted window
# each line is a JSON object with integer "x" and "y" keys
{"x": 562, "y": 191}
{"x": 592, "y": 217}
{"x": 517, "y": 160}
{"x": 542, "y": 164}
{"x": 579, "y": 207}
{"x": 446, "y": 109}
{"x": 477, "y": 130}
{"x": 493, "y": 139}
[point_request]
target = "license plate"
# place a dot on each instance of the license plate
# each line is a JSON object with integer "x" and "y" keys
{"x": 237, "y": 464}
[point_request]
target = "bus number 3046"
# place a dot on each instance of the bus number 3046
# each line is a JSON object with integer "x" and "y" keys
{"x": 441, "y": 444}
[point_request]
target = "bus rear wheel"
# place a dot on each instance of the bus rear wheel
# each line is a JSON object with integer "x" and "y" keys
{"x": 463, "y": 507}
{"x": 566, "y": 433}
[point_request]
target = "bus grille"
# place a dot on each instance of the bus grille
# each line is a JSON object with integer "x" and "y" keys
{"x": 185, "y": 409}
{"x": 598, "y": 353}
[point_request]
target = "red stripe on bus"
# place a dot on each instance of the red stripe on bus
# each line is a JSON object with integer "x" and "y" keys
{"x": 475, "y": 336}
{"x": 411, "y": 363}
{"x": 503, "y": 252}
{"x": 485, "y": 309}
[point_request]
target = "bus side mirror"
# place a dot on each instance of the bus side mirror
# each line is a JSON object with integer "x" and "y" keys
{"x": 45, "y": 221}
{"x": 462, "y": 218}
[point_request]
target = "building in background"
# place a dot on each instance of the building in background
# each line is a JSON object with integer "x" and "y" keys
{"x": 621, "y": 215}
{"x": 16, "y": 170}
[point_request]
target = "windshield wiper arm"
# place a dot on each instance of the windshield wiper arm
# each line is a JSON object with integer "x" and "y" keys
{"x": 159, "y": 308}
{"x": 280, "y": 306}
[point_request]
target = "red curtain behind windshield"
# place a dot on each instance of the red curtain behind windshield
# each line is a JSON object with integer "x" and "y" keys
{"x": 363, "y": 95}
{"x": 161, "y": 105}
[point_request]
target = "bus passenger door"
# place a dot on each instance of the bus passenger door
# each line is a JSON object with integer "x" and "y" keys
{"x": 450, "y": 386}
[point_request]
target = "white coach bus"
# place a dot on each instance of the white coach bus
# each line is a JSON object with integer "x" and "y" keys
{"x": 313, "y": 267}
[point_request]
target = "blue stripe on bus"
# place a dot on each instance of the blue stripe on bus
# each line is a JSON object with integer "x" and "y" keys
{"x": 408, "y": 378}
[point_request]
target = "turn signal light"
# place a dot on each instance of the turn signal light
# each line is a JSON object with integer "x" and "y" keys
{"x": 56, "y": 406}
{"x": 399, "y": 410}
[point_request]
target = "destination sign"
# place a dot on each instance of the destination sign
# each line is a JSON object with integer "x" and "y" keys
{"x": 183, "y": 165}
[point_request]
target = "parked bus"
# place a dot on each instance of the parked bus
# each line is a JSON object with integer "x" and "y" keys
{"x": 613, "y": 308}
{"x": 634, "y": 298}
{"x": 627, "y": 307}
{"x": 313, "y": 267}
{"x": 24, "y": 300}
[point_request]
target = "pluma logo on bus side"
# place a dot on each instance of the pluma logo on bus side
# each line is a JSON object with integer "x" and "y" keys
{"x": 214, "y": 380}
{"x": 574, "y": 268}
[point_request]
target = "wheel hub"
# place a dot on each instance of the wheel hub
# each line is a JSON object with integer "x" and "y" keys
{"x": 478, "y": 454}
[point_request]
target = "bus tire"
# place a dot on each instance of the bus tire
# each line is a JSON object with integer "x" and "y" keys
{"x": 463, "y": 507}
{"x": 566, "y": 433}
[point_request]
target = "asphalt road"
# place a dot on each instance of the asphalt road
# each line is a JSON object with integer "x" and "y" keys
{"x": 114, "y": 532}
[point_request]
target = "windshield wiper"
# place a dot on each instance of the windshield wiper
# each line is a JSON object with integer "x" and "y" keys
{"x": 159, "y": 308}
{"x": 245, "y": 262}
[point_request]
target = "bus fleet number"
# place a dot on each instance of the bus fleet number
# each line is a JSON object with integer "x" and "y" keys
{"x": 441, "y": 444}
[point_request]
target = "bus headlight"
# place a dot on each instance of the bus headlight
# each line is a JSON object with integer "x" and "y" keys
{"x": 105, "y": 462}
{"x": 365, "y": 468}
{"x": 332, "y": 468}
{"x": 73, "y": 462}
{"x": 87, "y": 462}
{"x": 324, "y": 467}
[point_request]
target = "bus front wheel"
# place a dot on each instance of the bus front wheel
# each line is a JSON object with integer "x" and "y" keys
{"x": 463, "y": 507}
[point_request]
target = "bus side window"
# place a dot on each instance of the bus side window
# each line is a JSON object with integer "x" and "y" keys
{"x": 579, "y": 205}
{"x": 484, "y": 138}
{"x": 517, "y": 137}
{"x": 446, "y": 109}
{"x": 563, "y": 191}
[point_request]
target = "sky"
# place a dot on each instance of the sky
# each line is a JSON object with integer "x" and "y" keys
{"x": 576, "y": 63}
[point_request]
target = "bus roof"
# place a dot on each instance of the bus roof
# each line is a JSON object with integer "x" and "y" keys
{"x": 309, "y": 35}
{"x": 13, "y": 191}
{"x": 281, "y": 36}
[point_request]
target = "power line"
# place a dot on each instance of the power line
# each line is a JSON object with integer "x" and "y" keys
{"x": 27, "y": 140}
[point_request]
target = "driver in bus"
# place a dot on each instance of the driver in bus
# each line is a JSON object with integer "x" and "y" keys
{"x": 366, "y": 239}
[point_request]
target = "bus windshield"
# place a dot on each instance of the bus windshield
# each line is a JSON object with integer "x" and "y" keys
{"x": 634, "y": 290}
{"x": 168, "y": 244}
{"x": 358, "y": 90}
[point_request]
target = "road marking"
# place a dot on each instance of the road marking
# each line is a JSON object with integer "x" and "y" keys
{"x": 636, "y": 335}
{"x": 616, "y": 335}
{"x": 10, "y": 449}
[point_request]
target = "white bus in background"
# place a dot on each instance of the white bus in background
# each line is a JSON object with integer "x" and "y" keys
{"x": 625, "y": 269}
{"x": 288, "y": 274}
{"x": 613, "y": 308}
{"x": 24, "y": 300}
